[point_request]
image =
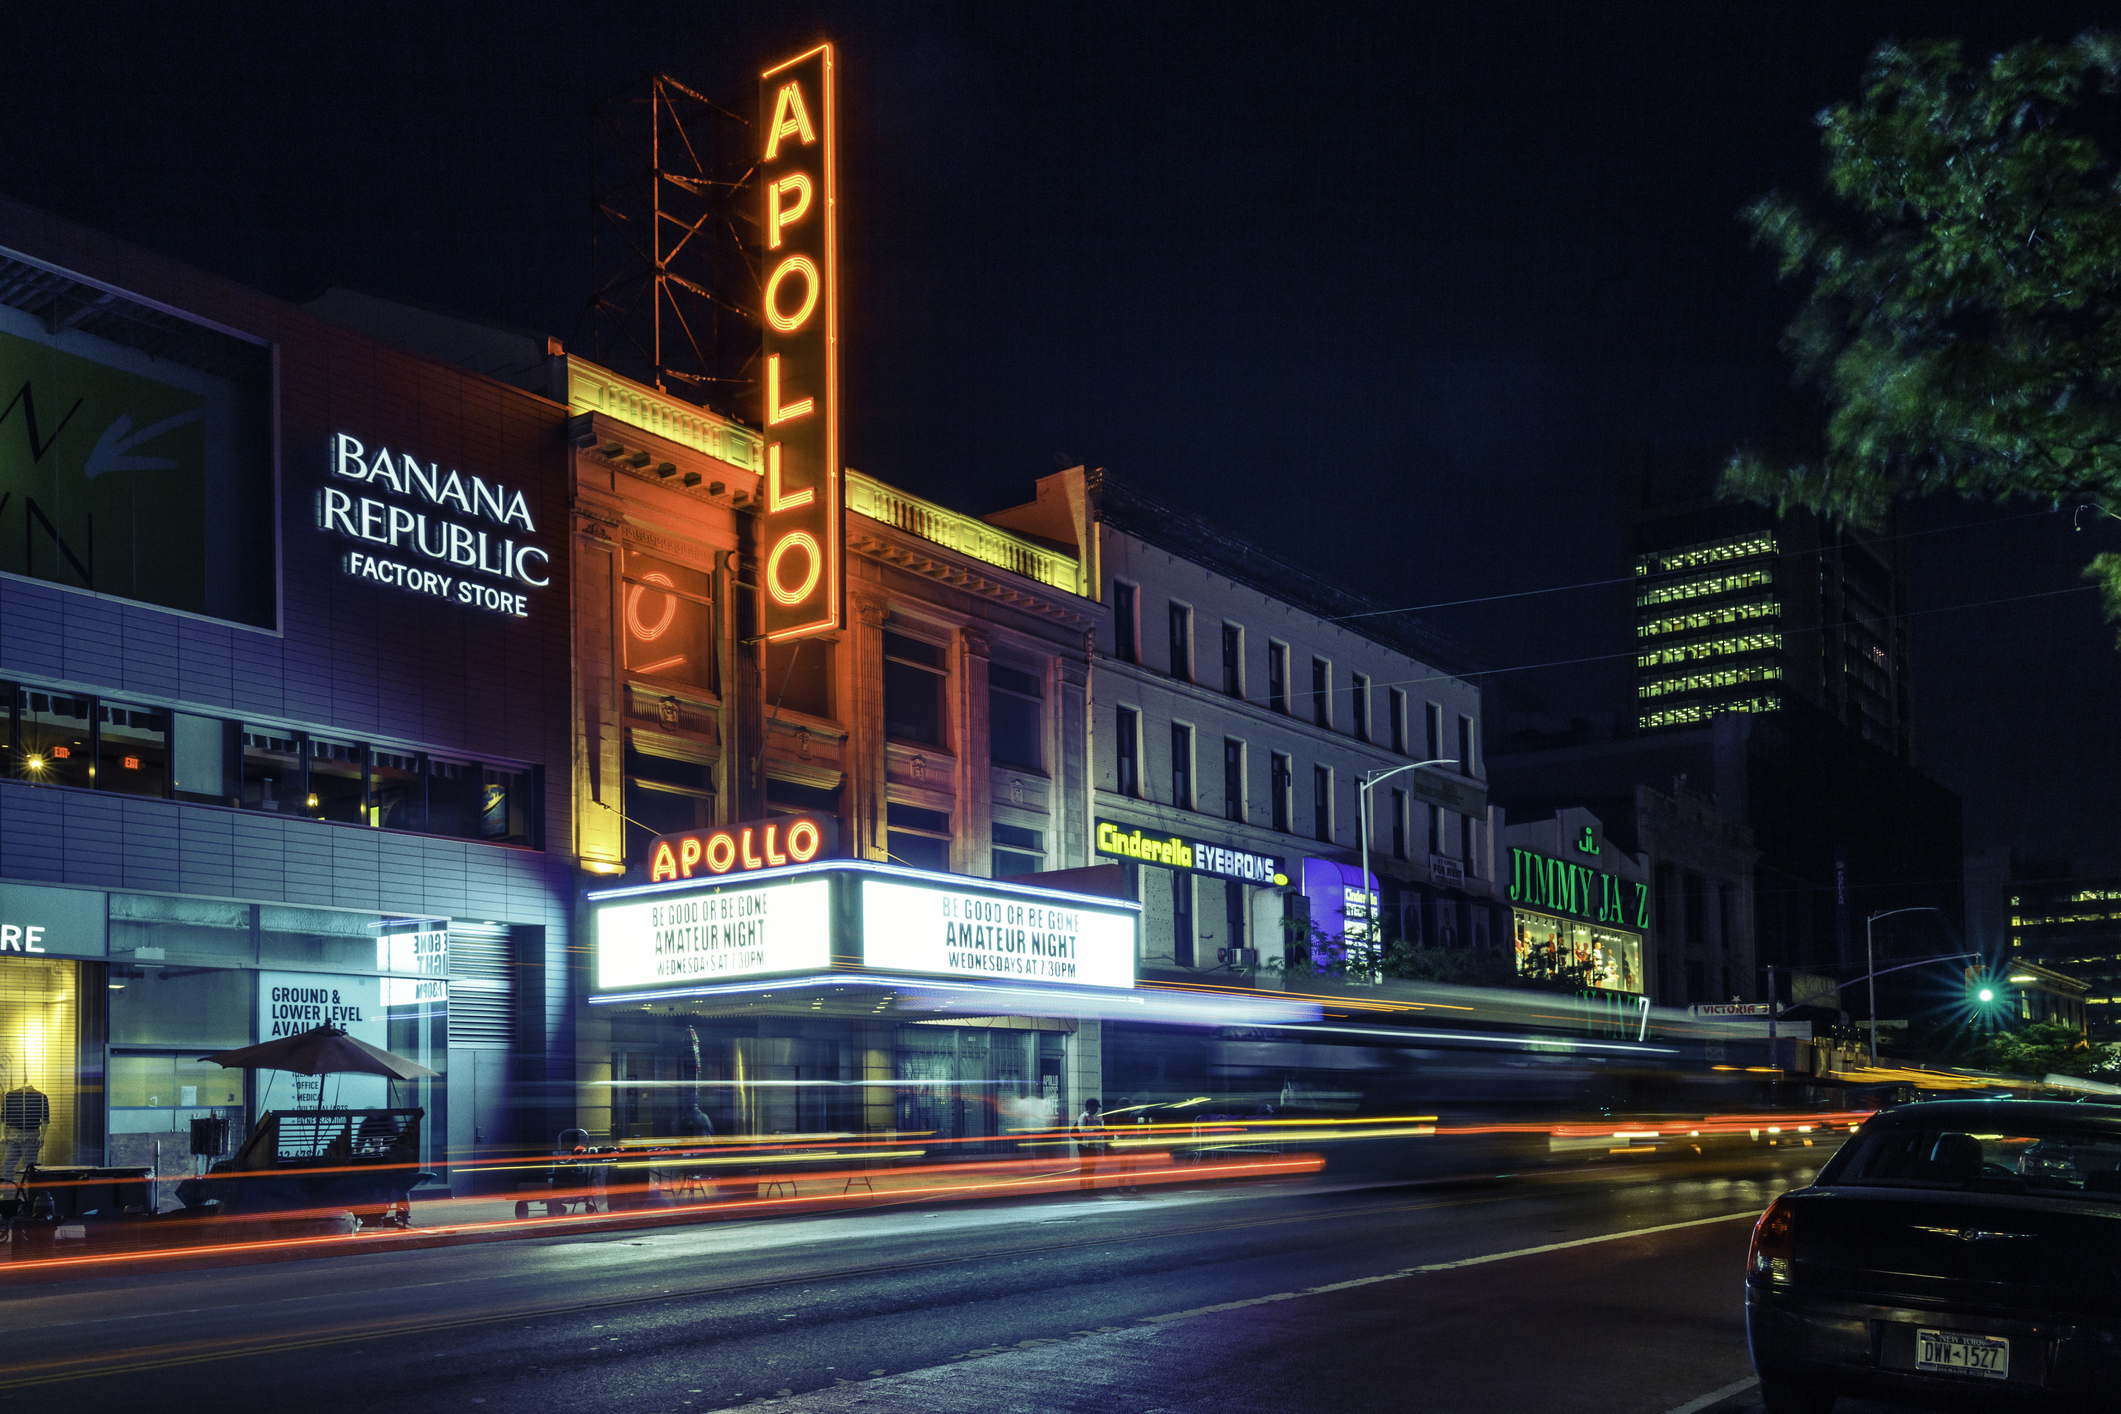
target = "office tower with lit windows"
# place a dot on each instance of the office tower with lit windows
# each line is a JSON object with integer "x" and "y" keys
{"x": 2071, "y": 925}
{"x": 1738, "y": 610}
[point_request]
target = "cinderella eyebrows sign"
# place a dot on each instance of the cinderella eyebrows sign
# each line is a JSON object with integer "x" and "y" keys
{"x": 801, "y": 544}
{"x": 418, "y": 540}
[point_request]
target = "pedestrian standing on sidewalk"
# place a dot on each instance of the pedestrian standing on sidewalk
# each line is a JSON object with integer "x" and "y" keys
{"x": 1089, "y": 1143}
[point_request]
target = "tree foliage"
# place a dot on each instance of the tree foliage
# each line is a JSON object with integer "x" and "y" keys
{"x": 2048, "y": 1048}
{"x": 1963, "y": 321}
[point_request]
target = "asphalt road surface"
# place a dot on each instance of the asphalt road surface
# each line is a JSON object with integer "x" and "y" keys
{"x": 1611, "y": 1289}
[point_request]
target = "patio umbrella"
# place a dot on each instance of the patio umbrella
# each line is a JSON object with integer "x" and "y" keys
{"x": 322, "y": 1050}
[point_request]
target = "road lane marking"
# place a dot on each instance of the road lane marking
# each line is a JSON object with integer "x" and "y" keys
{"x": 74, "y": 1367}
{"x": 1715, "y": 1396}
{"x": 1403, "y": 1273}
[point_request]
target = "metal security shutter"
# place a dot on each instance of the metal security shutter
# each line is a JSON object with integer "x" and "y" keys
{"x": 481, "y": 985}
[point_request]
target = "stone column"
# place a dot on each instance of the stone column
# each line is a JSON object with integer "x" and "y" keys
{"x": 972, "y": 838}
{"x": 862, "y": 684}
{"x": 1070, "y": 768}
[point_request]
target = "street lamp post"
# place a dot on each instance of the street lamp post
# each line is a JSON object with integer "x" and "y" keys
{"x": 1870, "y": 967}
{"x": 1371, "y": 779}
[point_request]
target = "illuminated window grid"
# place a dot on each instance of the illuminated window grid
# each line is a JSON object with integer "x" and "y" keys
{"x": 1703, "y": 586}
{"x": 1702, "y": 620}
{"x": 1704, "y": 682}
{"x": 1715, "y": 552}
{"x": 1710, "y": 648}
{"x": 1694, "y": 713}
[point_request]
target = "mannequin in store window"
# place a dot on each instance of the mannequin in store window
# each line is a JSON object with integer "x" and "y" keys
{"x": 25, "y": 1113}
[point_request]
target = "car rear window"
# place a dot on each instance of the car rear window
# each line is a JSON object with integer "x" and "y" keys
{"x": 2064, "y": 1162}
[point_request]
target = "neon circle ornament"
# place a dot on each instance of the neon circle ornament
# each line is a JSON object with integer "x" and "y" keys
{"x": 801, "y": 540}
{"x": 634, "y": 625}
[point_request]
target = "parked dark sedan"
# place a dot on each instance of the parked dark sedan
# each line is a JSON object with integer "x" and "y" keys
{"x": 1958, "y": 1252}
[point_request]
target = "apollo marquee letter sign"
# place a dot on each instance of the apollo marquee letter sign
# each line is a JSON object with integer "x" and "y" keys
{"x": 801, "y": 542}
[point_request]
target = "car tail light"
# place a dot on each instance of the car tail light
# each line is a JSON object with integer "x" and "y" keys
{"x": 1774, "y": 1242}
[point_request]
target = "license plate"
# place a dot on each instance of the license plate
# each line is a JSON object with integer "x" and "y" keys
{"x": 1984, "y": 1355}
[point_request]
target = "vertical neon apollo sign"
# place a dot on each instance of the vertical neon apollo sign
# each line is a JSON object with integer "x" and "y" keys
{"x": 800, "y": 534}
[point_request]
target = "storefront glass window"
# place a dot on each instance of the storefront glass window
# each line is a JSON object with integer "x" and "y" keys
{"x": 162, "y": 1004}
{"x": 317, "y": 937}
{"x": 56, "y": 745}
{"x": 337, "y": 776}
{"x": 132, "y": 750}
{"x": 40, "y": 1048}
{"x": 1605, "y": 957}
{"x": 148, "y": 928}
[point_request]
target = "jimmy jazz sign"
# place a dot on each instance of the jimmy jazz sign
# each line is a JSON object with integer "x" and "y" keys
{"x": 1578, "y": 890}
{"x": 801, "y": 544}
{"x": 412, "y": 519}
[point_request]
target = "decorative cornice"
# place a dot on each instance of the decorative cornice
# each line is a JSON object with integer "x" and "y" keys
{"x": 1008, "y": 590}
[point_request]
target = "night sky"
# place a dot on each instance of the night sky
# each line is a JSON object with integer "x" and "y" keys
{"x": 1397, "y": 288}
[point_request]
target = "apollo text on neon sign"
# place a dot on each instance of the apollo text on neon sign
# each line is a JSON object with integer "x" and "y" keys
{"x": 757, "y": 844}
{"x": 801, "y": 543}
{"x": 449, "y": 546}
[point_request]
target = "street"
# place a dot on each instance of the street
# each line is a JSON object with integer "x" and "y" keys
{"x": 1609, "y": 1288}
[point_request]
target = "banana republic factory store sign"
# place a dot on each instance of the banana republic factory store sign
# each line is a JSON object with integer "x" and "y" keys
{"x": 852, "y": 916}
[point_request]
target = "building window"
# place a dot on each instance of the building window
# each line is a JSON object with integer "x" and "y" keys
{"x": 1280, "y": 779}
{"x": 916, "y": 837}
{"x": 799, "y": 677}
{"x": 1434, "y": 714}
{"x": 1396, "y": 707}
{"x": 668, "y": 620}
{"x": 1359, "y": 703}
{"x": 338, "y": 781}
{"x": 1181, "y": 642}
{"x": 664, "y": 794}
{"x": 1181, "y": 918}
{"x": 1465, "y": 746}
{"x": 1465, "y": 844}
{"x": 1278, "y": 677}
{"x": 1181, "y": 766}
{"x": 1124, "y": 599}
{"x": 914, "y": 675}
{"x": 1436, "y": 829}
{"x": 1322, "y": 692}
{"x": 1233, "y": 660}
{"x": 1322, "y": 802}
{"x": 1233, "y": 779}
{"x": 131, "y": 750}
{"x": 1399, "y": 824}
{"x": 59, "y": 739}
{"x": 1129, "y": 751}
{"x": 57, "y": 736}
{"x": 1014, "y": 735}
{"x": 1235, "y": 907}
{"x": 1017, "y": 851}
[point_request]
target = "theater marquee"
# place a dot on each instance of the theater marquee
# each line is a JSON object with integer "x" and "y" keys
{"x": 801, "y": 543}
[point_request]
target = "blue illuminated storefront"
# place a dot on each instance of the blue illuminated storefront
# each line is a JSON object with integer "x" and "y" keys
{"x": 262, "y": 765}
